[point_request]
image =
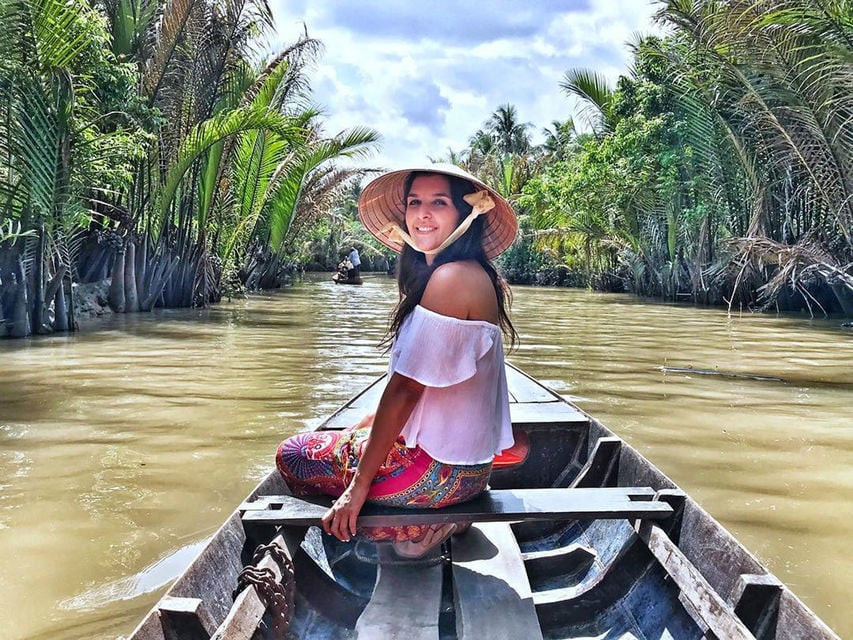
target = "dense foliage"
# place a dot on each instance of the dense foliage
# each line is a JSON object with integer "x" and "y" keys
{"x": 719, "y": 171}
{"x": 143, "y": 142}
{"x": 722, "y": 168}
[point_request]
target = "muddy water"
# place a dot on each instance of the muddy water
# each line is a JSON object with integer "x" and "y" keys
{"x": 122, "y": 450}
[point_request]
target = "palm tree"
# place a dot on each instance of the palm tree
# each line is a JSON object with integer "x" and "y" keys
{"x": 509, "y": 135}
{"x": 558, "y": 138}
{"x": 596, "y": 97}
{"x": 776, "y": 76}
{"x": 96, "y": 180}
{"x": 192, "y": 57}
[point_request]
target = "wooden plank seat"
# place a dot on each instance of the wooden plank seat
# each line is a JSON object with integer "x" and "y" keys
{"x": 491, "y": 589}
{"x": 497, "y": 505}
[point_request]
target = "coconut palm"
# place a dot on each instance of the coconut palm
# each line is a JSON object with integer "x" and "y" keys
{"x": 558, "y": 138}
{"x": 731, "y": 148}
{"x": 509, "y": 135}
{"x": 596, "y": 98}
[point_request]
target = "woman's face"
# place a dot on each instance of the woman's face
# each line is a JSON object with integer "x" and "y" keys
{"x": 431, "y": 215}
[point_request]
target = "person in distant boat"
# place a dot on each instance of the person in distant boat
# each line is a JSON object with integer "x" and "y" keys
{"x": 355, "y": 260}
{"x": 344, "y": 269}
{"x": 444, "y": 413}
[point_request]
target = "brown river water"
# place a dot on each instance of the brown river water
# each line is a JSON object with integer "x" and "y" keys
{"x": 124, "y": 447}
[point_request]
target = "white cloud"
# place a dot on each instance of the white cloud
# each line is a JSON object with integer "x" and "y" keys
{"x": 426, "y": 76}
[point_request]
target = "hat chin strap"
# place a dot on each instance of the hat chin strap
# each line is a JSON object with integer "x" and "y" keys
{"x": 481, "y": 203}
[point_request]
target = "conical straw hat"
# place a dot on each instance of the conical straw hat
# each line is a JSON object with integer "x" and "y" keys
{"x": 381, "y": 203}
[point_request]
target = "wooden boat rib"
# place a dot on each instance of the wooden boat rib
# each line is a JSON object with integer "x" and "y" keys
{"x": 583, "y": 538}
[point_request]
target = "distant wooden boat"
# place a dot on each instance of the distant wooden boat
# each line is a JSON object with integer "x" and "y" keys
{"x": 579, "y": 536}
{"x": 338, "y": 278}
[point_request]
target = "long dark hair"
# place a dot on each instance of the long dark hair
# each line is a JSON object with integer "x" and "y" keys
{"x": 413, "y": 272}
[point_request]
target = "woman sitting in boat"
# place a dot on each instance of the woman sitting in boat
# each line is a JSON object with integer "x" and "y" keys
{"x": 444, "y": 413}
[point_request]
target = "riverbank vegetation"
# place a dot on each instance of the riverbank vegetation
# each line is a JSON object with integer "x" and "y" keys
{"x": 148, "y": 147}
{"x": 720, "y": 170}
{"x": 151, "y": 145}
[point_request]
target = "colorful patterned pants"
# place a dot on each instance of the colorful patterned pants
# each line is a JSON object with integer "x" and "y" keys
{"x": 324, "y": 462}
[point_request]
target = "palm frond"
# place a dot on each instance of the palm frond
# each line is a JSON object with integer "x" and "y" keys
{"x": 595, "y": 94}
{"x": 220, "y": 127}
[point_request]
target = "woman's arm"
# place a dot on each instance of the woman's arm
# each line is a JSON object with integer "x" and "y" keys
{"x": 397, "y": 402}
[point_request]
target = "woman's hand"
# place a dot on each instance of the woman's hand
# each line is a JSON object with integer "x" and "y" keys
{"x": 340, "y": 520}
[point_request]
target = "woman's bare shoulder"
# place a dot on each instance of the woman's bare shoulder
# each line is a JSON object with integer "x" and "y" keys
{"x": 461, "y": 290}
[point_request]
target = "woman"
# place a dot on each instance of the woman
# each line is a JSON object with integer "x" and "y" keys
{"x": 444, "y": 413}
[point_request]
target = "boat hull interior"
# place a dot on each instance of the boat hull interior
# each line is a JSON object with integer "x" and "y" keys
{"x": 603, "y": 578}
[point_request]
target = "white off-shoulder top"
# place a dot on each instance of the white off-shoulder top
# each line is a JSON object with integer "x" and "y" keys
{"x": 463, "y": 415}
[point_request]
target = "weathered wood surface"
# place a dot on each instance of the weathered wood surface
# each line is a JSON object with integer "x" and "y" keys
{"x": 533, "y": 413}
{"x": 757, "y": 603}
{"x": 521, "y": 414}
{"x": 187, "y": 618}
{"x": 561, "y": 560}
{"x": 492, "y": 593}
{"x": 505, "y": 505}
{"x": 530, "y": 403}
{"x": 523, "y": 388}
{"x": 756, "y": 599}
{"x": 248, "y": 608}
{"x": 704, "y": 602}
{"x": 346, "y": 418}
{"x": 405, "y": 603}
{"x": 600, "y": 468}
{"x": 369, "y": 398}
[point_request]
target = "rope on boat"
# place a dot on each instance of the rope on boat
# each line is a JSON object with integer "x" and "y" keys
{"x": 276, "y": 596}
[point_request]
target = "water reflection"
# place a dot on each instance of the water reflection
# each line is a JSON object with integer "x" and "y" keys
{"x": 120, "y": 450}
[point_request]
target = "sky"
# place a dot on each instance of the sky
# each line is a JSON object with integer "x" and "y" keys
{"x": 427, "y": 74}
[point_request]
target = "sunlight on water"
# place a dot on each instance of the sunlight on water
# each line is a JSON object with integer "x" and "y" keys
{"x": 122, "y": 450}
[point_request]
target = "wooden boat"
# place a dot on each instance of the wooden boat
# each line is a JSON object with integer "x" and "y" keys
{"x": 578, "y": 537}
{"x": 340, "y": 278}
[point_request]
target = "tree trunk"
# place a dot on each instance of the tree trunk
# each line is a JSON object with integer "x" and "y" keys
{"x": 844, "y": 296}
{"x": 72, "y": 320}
{"x": 60, "y": 320}
{"x": 116, "y": 294}
{"x": 20, "y": 326}
{"x": 50, "y": 293}
{"x": 38, "y": 284}
{"x": 142, "y": 270}
{"x": 131, "y": 298}
{"x": 55, "y": 283}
